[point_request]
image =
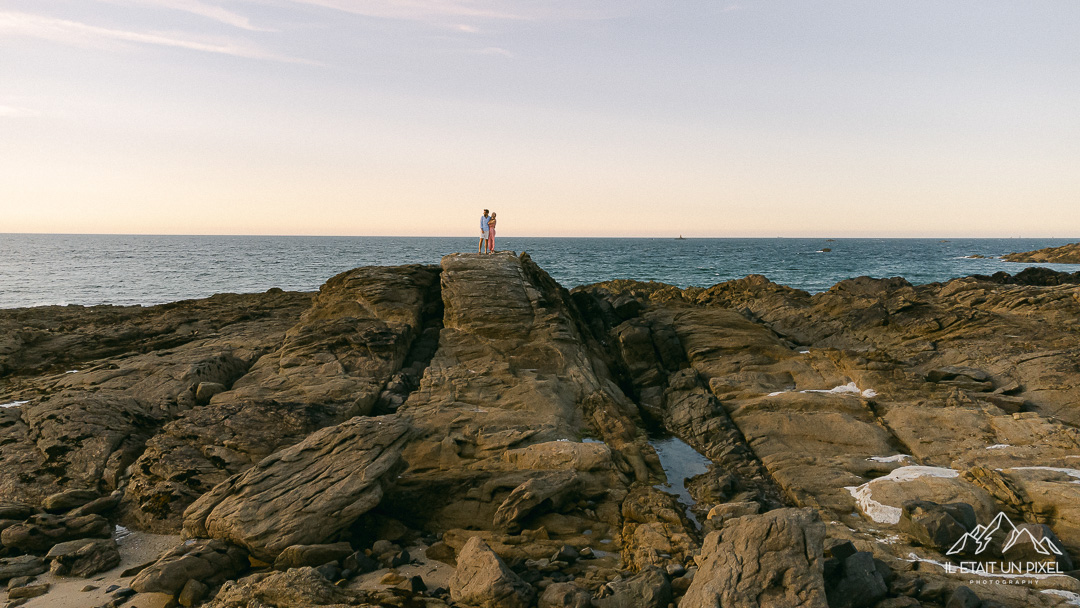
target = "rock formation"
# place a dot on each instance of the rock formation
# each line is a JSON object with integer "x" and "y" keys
{"x": 474, "y": 433}
{"x": 1065, "y": 254}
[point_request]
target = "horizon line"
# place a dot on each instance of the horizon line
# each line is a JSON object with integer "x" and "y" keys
{"x": 419, "y": 236}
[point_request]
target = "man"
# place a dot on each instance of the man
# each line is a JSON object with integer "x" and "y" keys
{"x": 484, "y": 232}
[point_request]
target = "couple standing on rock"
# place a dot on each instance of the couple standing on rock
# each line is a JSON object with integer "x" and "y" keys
{"x": 487, "y": 233}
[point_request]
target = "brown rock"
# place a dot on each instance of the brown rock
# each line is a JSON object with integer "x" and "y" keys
{"x": 40, "y": 532}
{"x": 1065, "y": 254}
{"x": 305, "y": 494}
{"x": 771, "y": 559}
{"x": 210, "y": 562}
{"x": 298, "y": 556}
{"x": 482, "y": 579}
{"x": 83, "y": 557}
{"x": 28, "y": 591}
{"x": 22, "y": 565}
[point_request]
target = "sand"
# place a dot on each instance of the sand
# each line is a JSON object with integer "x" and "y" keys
{"x": 136, "y": 548}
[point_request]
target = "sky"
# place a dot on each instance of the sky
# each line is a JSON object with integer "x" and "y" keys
{"x": 718, "y": 118}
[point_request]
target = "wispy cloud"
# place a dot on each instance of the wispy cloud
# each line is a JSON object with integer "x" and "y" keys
{"x": 13, "y": 112}
{"x": 73, "y": 32}
{"x": 477, "y": 9}
{"x": 200, "y": 8}
{"x": 419, "y": 9}
{"x": 494, "y": 50}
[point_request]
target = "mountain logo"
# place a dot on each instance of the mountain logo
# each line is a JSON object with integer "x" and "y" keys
{"x": 981, "y": 537}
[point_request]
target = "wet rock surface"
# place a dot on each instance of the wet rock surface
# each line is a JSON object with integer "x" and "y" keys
{"x": 473, "y": 433}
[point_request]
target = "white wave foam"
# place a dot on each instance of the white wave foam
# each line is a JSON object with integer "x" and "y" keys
{"x": 14, "y": 404}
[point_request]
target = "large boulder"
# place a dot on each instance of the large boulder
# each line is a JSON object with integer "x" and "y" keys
{"x": 295, "y": 587}
{"x": 68, "y": 500}
{"x": 22, "y": 565}
{"x": 305, "y": 494}
{"x": 40, "y": 532}
{"x": 327, "y": 365}
{"x": 210, "y": 562}
{"x": 934, "y": 525}
{"x": 552, "y": 490}
{"x": 306, "y": 587}
{"x": 647, "y": 589}
{"x": 857, "y": 582}
{"x": 83, "y": 557}
{"x": 565, "y": 595}
{"x": 482, "y": 579}
{"x": 774, "y": 559}
{"x": 298, "y": 556}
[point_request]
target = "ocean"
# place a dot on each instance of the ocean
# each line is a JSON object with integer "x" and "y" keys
{"x": 45, "y": 269}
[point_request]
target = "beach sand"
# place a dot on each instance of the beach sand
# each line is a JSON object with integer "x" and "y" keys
{"x": 136, "y": 548}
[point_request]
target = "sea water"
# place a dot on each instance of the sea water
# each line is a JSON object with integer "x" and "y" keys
{"x": 40, "y": 269}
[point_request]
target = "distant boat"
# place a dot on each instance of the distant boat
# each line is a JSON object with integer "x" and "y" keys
{"x": 680, "y": 238}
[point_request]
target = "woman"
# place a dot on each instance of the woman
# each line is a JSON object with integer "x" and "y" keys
{"x": 491, "y": 234}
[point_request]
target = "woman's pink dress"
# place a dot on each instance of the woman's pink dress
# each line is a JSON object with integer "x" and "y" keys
{"x": 491, "y": 236}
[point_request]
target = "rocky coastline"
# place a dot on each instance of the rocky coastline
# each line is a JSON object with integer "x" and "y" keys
{"x": 473, "y": 434}
{"x": 1065, "y": 254}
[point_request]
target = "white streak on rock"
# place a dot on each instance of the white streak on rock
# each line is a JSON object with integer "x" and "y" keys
{"x": 1074, "y": 473}
{"x": 885, "y": 514}
{"x": 893, "y": 458}
{"x": 849, "y": 388}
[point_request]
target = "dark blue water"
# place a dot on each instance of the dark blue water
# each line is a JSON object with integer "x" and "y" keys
{"x": 95, "y": 269}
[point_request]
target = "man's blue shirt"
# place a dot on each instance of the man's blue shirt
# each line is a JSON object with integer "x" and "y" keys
{"x": 483, "y": 223}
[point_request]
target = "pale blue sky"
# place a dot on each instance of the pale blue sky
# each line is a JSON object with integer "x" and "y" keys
{"x": 604, "y": 118}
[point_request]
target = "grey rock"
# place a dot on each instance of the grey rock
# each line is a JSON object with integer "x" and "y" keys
{"x": 40, "y": 532}
{"x": 858, "y": 584}
{"x": 83, "y": 557}
{"x": 963, "y": 597}
{"x": 23, "y": 565}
